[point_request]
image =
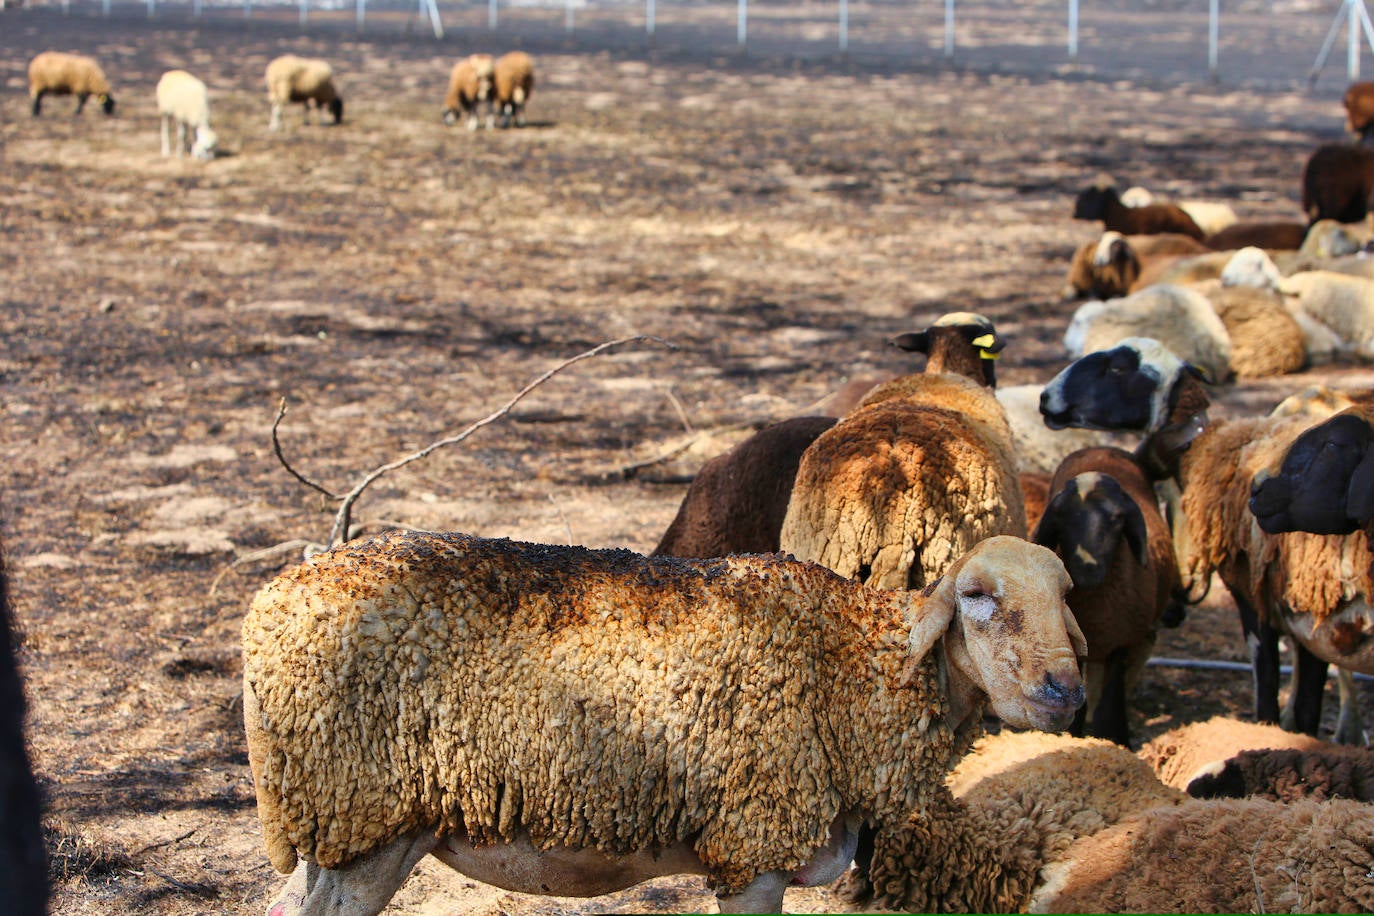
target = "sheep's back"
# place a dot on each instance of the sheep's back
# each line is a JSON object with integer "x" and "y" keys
{"x": 590, "y": 698}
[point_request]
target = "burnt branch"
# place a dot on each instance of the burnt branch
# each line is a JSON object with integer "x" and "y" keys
{"x": 276, "y": 447}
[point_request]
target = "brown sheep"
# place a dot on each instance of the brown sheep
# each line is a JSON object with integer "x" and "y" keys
{"x": 1102, "y": 202}
{"x": 470, "y": 86}
{"x": 1359, "y": 110}
{"x": 1279, "y": 235}
{"x": 514, "y": 82}
{"x": 58, "y": 73}
{"x": 1336, "y": 183}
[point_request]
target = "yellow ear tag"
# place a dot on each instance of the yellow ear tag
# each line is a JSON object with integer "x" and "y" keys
{"x": 982, "y": 343}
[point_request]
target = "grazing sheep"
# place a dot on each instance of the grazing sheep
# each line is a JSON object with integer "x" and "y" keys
{"x": 514, "y": 82}
{"x": 1288, "y": 774}
{"x": 23, "y": 859}
{"x": 737, "y": 500}
{"x": 470, "y": 84}
{"x": 1104, "y": 522}
{"x": 920, "y": 472}
{"x": 1336, "y": 183}
{"x": 1220, "y": 856}
{"x": 1179, "y": 317}
{"x": 1181, "y": 754}
{"x": 58, "y": 73}
{"x": 612, "y": 717}
{"x": 1341, "y": 302}
{"x": 1314, "y": 589}
{"x": 306, "y": 80}
{"x": 183, "y": 99}
{"x": 1101, "y": 202}
{"x": 1359, "y": 111}
{"x": 1279, "y": 235}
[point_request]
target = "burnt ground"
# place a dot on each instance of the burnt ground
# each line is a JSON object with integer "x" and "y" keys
{"x": 392, "y": 281}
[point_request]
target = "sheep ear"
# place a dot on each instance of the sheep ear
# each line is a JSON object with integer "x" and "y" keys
{"x": 933, "y": 619}
{"x": 1136, "y": 535}
{"x": 1359, "y": 495}
{"x": 915, "y": 342}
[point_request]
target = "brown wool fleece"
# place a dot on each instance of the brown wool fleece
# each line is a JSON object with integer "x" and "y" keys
{"x": 590, "y": 698}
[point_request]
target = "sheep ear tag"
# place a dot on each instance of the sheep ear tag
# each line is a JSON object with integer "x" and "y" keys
{"x": 989, "y": 347}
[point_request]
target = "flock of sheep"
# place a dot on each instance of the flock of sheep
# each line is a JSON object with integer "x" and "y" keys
{"x": 791, "y": 690}
{"x": 501, "y": 85}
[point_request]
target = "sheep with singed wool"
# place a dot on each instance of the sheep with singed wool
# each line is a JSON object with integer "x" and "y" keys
{"x": 308, "y": 81}
{"x": 1315, "y": 589}
{"x": 737, "y": 502}
{"x": 1337, "y": 181}
{"x": 1179, "y": 755}
{"x": 1019, "y": 801}
{"x": 920, "y": 472}
{"x": 513, "y": 83}
{"x": 23, "y": 859}
{"x": 183, "y": 100}
{"x": 613, "y": 717}
{"x": 1101, "y": 201}
{"x": 1179, "y": 317}
{"x": 1104, "y": 522}
{"x": 59, "y": 73}
{"x": 1288, "y": 774}
{"x": 1358, "y": 102}
{"x": 470, "y": 86}
{"x": 1220, "y": 856}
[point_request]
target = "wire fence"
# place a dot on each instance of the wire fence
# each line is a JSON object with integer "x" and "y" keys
{"x": 1263, "y": 44}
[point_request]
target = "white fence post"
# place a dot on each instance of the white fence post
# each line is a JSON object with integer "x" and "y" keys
{"x": 1073, "y": 29}
{"x": 949, "y": 28}
{"x": 360, "y": 14}
{"x": 742, "y": 23}
{"x": 649, "y": 16}
{"x": 568, "y": 17}
{"x": 1213, "y": 32}
{"x": 844, "y": 25}
{"x": 305, "y": 9}
{"x": 491, "y": 14}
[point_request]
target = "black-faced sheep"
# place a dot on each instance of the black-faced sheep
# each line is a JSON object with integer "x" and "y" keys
{"x": 1324, "y": 483}
{"x": 23, "y": 860}
{"x": 1336, "y": 183}
{"x": 1358, "y": 102}
{"x": 738, "y": 500}
{"x": 1178, "y": 316}
{"x": 1211, "y": 216}
{"x": 920, "y": 472}
{"x": 304, "y": 80}
{"x": 1315, "y": 589}
{"x": 59, "y": 73}
{"x": 1104, "y": 522}
{"x": 183, "y": 100}
{"x": 612, "y": 717}
{"x": 513, "y": 81}
{"x": 470, "y": 85}
{"x": 1102, "y": 202}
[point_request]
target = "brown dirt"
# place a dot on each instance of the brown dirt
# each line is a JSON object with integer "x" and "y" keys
{"x": 393, "y": 280}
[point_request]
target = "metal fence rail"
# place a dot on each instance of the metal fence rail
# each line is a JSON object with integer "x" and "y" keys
{"x": 1261, "y": 43}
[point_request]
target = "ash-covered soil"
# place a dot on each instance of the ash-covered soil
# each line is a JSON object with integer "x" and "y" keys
{"x": 392, "y": 281}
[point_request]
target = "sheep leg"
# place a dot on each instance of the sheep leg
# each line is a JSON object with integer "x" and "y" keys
{"x": 166, "y": 136}
{"x": 1263, "y": 642}
{"x": 80, "y": 102}
{"x": 274, "y": 123}
{"x": 362, "y": 888}
{"x": 1350, "y": 725}
{"x": 38, "y": 102}
{"x": 1110, "y": 717}
{"x": 1303, "y": 712}
{"x": 763, "y": 895}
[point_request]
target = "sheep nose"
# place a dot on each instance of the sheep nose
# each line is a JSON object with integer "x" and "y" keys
{"x": 1055, "y": 692}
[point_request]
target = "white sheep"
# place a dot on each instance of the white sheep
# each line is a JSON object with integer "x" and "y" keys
{"x": 513, "y": 79}
{"x": 59, "y": 73}
{"x": 183, "y": 99}
{"x": 1038, "y": 448}
{"x": 305, "y": 80}
{"x": 611, "y": 717}
{"x": 470, "y": 85}
{"x": 1179, "y": 317}
{"x": 1341, "y": 302}
{"x": 1211, "y": 216}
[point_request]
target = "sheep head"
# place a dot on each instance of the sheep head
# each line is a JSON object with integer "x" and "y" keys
{"x": 1325, "y": 483}
{"x": 107, "y": 103}
{"x": 1009, "y": 637}
{"x": 962, "y": 343}
{"x": 205, "y": 144}
{"x": 1086, "y": 522}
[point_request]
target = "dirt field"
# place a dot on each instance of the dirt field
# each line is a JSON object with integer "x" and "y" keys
{"x": 393, "y": 281}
